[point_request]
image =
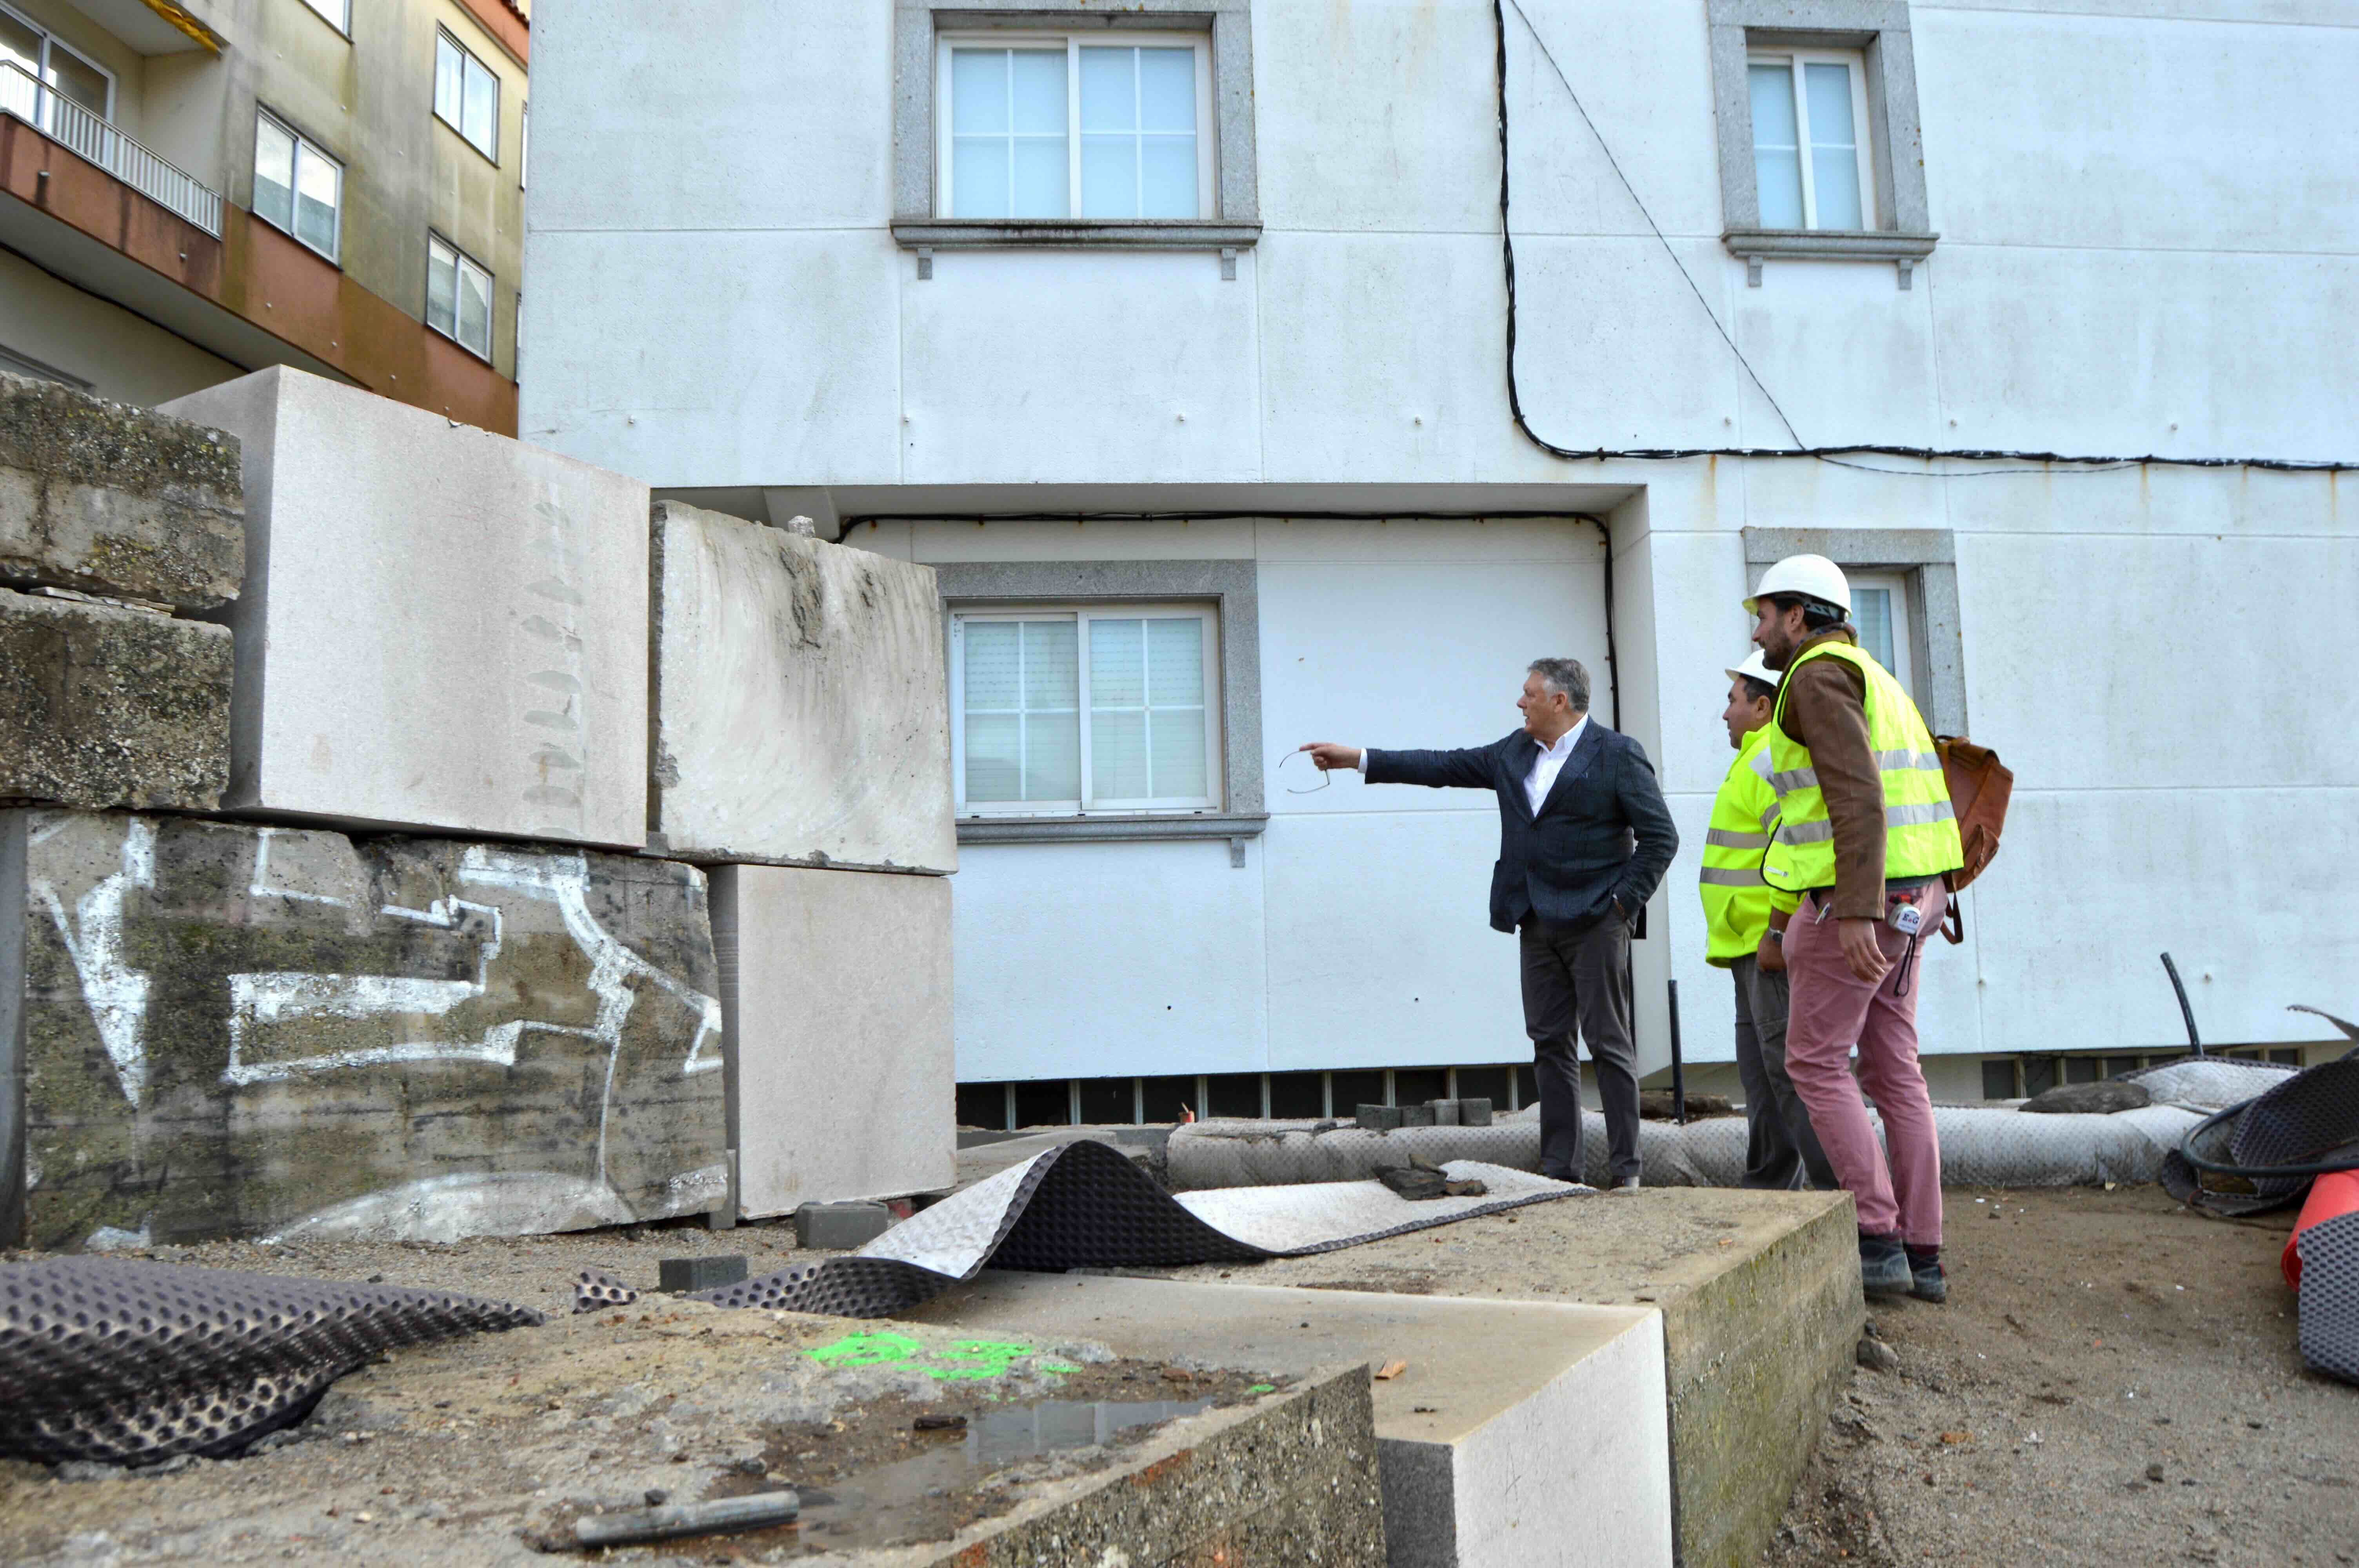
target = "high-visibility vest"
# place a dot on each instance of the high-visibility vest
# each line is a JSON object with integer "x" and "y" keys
{"x": 1919, "y": 827}
{"x": 1743, "y": 816}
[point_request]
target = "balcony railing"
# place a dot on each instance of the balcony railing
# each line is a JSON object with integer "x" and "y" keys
{"x": 74, "y": 127}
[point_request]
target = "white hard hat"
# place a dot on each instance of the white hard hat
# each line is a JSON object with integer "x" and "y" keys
{"x": 1812, "y": 577}
{"x": 1756, "y": 667}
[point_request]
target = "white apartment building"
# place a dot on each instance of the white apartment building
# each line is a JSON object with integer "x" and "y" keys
{"x": 1176, "y": 335}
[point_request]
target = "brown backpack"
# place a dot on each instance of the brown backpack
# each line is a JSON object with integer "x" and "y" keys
{"x": 1979, "y": 785}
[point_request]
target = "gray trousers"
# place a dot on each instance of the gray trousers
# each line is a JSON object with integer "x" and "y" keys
{"x": 1575, "y": 981}
{"x": 1781, "y": 1150}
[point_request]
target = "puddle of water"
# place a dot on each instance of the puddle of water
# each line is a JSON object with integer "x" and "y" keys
{"x": 910, "y": 1499}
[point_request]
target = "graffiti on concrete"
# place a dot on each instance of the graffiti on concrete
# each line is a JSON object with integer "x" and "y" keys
{"x": 413, "y": 1036}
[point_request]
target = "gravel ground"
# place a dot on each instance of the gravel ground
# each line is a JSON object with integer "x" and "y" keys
{"x": 2115, "y": 1380}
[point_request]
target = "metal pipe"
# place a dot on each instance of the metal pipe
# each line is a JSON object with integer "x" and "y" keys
{"x": 751, "y": 1512}
{"x": 2185, "y": 1012}
{"x": 1678, "y": 1068}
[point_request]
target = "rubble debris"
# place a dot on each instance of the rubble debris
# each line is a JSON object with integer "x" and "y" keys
{"x": 676, "y": 1276}
{"x": 1661, "y": 1104}
{"x": 2105, "y": 1098}
{"x": 754, "y": 1511}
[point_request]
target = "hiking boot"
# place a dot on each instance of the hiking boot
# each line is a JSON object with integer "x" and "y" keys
{"x": 1927, "y": 1280}
{"x": 1883, "y": 1267}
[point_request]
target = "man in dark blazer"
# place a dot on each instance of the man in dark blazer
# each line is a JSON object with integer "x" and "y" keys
{"x": 1583, "y": 839}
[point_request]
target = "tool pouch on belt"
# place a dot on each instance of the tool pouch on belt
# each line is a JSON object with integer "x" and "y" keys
{"x": 1979, "y": 785}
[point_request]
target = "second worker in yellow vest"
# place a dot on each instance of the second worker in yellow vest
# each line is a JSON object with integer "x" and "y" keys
{"x": 1865, "y": 832}
{"x": 1781, "y": 1151}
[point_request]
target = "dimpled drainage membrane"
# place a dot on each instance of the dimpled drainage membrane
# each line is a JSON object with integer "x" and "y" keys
{"x": 1085, "y": 1205}
{"x": 130, "y": 1363}
{"x": 2330, "y": 1296}
{"x": 2311, "y": 1117}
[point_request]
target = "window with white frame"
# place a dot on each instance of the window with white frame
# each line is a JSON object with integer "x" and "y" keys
{"x": 466, "y": 95}
{"x": 42, "y": 61}
{"x": 1097, "y": 126}
{"x": 1068, "y": 710}
{"x": 1879, "y": 613}
{"x": 338, "y": 13}
{"x": 297, "y": 187}
{"x": 458, "y": 297}
{"x": 1811, "y": 168}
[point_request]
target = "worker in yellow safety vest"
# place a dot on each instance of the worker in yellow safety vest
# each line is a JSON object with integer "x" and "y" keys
{"x": 1781, "y": 1151}
{"x": 1865, "y": 833}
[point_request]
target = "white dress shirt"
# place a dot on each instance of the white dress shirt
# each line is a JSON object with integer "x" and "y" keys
{"x": 1545, "y": 767}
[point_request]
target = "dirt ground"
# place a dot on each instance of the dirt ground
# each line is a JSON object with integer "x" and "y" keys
{"x": 2114, "y": 1379}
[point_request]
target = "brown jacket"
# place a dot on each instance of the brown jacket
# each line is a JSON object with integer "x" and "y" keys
{"x": 1825, "y": 709}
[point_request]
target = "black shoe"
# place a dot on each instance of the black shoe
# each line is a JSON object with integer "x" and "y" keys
{"x": 1883, "y": 1267}
{"x": 1927, "y": 1282}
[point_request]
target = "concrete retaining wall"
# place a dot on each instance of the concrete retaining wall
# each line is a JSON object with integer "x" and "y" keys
{"x": 241, "y": 1031}
{"x": 440, "y": 629}
{"x": 836, "y": 989}
{"x": 801, "y": 707}
{"x": 108, "y": 707}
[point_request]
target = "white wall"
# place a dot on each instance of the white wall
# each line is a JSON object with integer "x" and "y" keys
{"x": 2147, "y": 211}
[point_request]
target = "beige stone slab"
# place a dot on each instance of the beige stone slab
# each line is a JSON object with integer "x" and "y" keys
{"x": 1519, "y": 1434}
{"x": 441, "y": 629}
{"x": 835, "y": 991}
{"x": 801, "y": 708}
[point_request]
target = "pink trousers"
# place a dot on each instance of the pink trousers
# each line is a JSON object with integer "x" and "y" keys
{"x": 1897, "y": 1187}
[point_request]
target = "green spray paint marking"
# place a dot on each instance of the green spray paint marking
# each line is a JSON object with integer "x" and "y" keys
{"x": 965, "y": 1360}
{"x": 1263, "y": 1389}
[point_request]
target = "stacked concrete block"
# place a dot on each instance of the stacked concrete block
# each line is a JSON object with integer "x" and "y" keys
{"x": 232, "y": 1029}
{"x": 116, "y": 523}
{"x": 836, "y": 988}
{"x": 801, "y": 715}
{"x": 441, "y": 629}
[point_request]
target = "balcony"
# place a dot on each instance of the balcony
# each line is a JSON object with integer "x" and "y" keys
{"x": 87, "y": 135}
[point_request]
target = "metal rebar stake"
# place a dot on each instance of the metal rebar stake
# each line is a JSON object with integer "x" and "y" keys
{"x": 1678, "y": 1068}
{"x": 2185, "y": 1012}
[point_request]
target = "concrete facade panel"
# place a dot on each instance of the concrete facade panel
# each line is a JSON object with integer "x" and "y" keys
{"x": 1381, "y": 951}
{"x": 941, "y": 544}
{"x": 235, "y": 1031}
{"x": 1090, "y": 960}
{"x": 2173, "y": 137}
{"x": 2092, "y": 885}
{"x": 799, "y": 327}
{"x": 802, "y": 709}
{"x": 101, "y": 707}
{"x": 836, "y": 988}
{"x": 441, "y": 629}
{"x": 1061, "y": 335}
{"x": 810, "y": 89}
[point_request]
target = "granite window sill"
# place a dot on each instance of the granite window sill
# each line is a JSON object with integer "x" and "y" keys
{"x": 1108, "y": 829}
{"x": 981, "y": 234}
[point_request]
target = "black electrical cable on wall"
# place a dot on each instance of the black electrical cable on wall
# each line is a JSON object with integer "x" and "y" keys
{"x": 2071, "y": 462}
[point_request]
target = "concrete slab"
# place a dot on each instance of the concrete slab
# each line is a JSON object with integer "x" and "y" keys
{"x": 236, "y": 1031}
{"x": 835, "y": 992}
{"x": 801, "y": 710}
{"x": 1520, "y": 1435}
{"x": 101, "y": 706}
{"x": 1761, "y": 1313}
{"x": 112, "y": 499}
{"x": 441, "y": 630}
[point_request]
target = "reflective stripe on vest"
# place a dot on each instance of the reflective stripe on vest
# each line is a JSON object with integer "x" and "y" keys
{"x": 1921, "y": 830}
{"x": 1743, "y": 825}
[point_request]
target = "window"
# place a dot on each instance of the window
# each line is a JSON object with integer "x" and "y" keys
{"x": 47, "y": 63}
{"x": 458, "y": 297}
{"x": 1879, "y": 610}
{"x": 297, "y": 187}
{"x": 1822, "y": 158}
{"x": 338, "y": 13}
{"x": 1811, "y": 162}
{"x": 467, "y": 95}
{"x": 1114, "y": 127}
{"x": 1069, "y": 711}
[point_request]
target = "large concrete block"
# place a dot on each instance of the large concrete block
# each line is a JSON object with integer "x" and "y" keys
{"x": 441, "y": 629}
{"x": 802, "y": 714}
{"x": 113, "y": 499}
{"x": 835, "y": 986}
{"x": 101, "y": 706}
{"x": 239, "y": 1031}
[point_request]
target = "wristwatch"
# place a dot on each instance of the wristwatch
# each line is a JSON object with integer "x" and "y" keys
{"x": 1778, "y": 937}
